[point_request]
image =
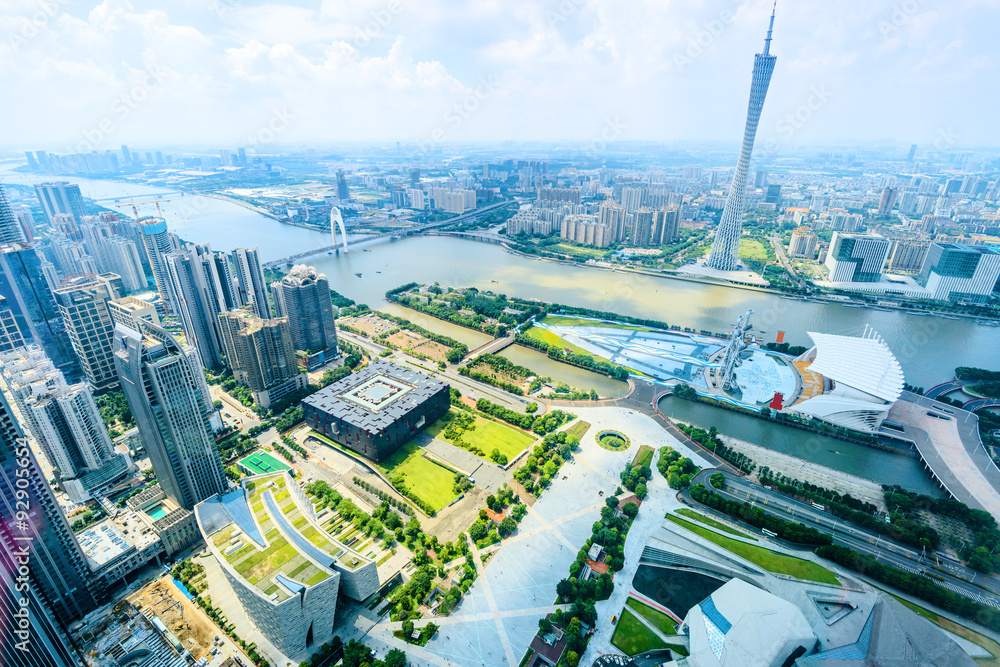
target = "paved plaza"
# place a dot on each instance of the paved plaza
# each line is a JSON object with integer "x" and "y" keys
{"x": 498, "y": 617}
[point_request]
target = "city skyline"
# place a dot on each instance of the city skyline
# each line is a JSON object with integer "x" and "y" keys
{"x": 119, "y": 72}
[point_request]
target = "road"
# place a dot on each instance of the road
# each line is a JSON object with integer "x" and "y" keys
{"x": 945, "y": 388}
{"x": 468, "y": 387}
{"x": 779, "y": 252}
{"x": 850, "y": 535}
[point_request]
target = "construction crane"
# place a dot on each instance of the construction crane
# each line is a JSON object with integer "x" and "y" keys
{"x": 134, "y": 205}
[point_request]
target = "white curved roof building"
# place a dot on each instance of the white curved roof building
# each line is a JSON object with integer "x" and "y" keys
{"x": 861, "y": 380}
{"x": 740, "y": 625}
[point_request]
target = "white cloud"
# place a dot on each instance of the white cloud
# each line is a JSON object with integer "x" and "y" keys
{"x": 393, "y": 69}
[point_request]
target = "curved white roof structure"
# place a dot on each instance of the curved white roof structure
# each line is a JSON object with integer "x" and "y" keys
{"x": 740, "y": 625}
{"x": 865, "y": 364}
{"x": 861, "y": 377}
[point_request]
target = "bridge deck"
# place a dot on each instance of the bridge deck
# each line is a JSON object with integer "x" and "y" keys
{"x": 948, "y": 442}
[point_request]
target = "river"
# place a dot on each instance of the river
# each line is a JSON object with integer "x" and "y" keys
{"x": 874, "y": 464}
{"x": 928, "y": 348}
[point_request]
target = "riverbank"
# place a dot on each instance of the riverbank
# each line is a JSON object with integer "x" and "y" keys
{"x": 815, "y": 298}
{"x": 807, "y": 471}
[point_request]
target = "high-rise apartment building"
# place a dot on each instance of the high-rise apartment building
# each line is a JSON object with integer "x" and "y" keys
{"x": 887, "y": 201}
{"x": 613, "y": 216}
{"x": 83, "y": 304}
{"x": 57, "y": 567}
{"x": 261, "y": 355}
{"x": 24, "y": 286}
{"x": 343, "y": 192}
{"x": 803, "y": 243}
{"x": 165, "y": 387}
{"x": 10, "y": 335}
{"x": 250, "y": 276}
{"x": 908, "y": 255}
{"x": 128, "y": 309}
{"x": 633, "y": 199}
{"x": 303, "y": 296}
{"x": 60, "y": 197}
{"x": 10, "y": 230}
{"x": 856, "y": 258}
{"x": 189, "y": 271}
{"x": 666, "y": 226}
{"x": 158, "y": 245}
{"x": 724, "y": 255}
{"x": 63, "y": 419}
{"x": 642, "y": 227}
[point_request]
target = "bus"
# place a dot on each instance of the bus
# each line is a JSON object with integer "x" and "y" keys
{"x": 769, "y": 533}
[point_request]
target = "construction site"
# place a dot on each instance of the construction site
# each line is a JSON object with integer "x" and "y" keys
{"x": 191, "y": 628}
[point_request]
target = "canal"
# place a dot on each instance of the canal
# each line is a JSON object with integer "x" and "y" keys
{"x": 874, "y": 464}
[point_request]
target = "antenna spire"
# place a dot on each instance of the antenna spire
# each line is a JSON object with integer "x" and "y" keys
{"x": 767, "y": 40}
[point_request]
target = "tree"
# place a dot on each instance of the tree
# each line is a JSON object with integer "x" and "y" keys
{"x": 478, "y": 530}
{"x": 630, "y": 510}
{"x": 491, "y": 502}
{"x": 531, "y": 408}
{"x": 407, "y": 628}
{"x": 544, "y": 626}
{"x": 395, "y": 658}
{"x": 507, "y": 526}
{"x": 717, "y": 480}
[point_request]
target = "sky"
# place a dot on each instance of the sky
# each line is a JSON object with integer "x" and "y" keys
{"x": 82, "y": 75}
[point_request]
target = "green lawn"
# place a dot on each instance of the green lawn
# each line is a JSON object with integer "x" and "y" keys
{"x": 708, "y": 521}
{"x": 577, "y": 251}
{"x": 427, "y": 479}
{"x": 579, "y": 429}
{"x": 663, "y": 622}
{"x": 632, "y": 637}
{"x": 643, "y": 457}
{"x": 487, "y": 436}
{"x": 770, "y": 561}
{"x": 551, "y": 338}
{"x": 587, "y": 322}
{"x": 614, "y": 442}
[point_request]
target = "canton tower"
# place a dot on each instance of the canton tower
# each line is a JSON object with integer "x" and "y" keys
{"x": 725, "y": 249}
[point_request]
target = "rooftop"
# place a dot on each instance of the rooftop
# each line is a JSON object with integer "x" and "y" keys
{"x": 863, "y": 363}
{"x": 375, "y": 396}
{"x": 267, "y": 535}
